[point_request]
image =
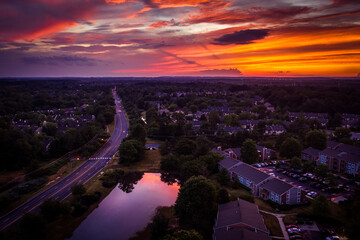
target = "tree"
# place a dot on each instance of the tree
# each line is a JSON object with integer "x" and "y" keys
{"x": 223, "y": 177}
{"x": 184, "y": 235}
{"x": 308, "y": 166}
{"x": 169, "y": 163}
{"x": 214, "y": 118}
{"x": 185, "y": 147}
{"x": 223, "y": 196}
{"x": 196, "y": 204}
{"x": 333, "y": 181}
{"x": 316, "y": 139}
{"x": 130, "y": 151}
{"x": 203, "y": 146}
{"x": 295, "y": 163}
{"x": 159, "y": 226}
{"x": 249, "y": 153}
{"x": 321, "y": 170}
{"x": 52, "y": 209}
{"x": 138, "y": 133}
{"x": 78, "y": 189}
{"x": 341, "y": 133}
{"x": 189, "y": 169}
{"x": 32, "y": 226}
{"x": 320, "y": 206}
{"x": 290, "y": 148}
{"x": 50, "y": 129}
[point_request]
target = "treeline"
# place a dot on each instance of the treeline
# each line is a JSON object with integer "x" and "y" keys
{"x": 313, "y": 99}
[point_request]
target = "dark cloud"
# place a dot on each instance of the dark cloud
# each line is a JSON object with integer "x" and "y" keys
{"x": 150, "y": 4}
{"x": 23, "y": 19}
{"x": 222, "y": 72}
{"x": 60, "y": 60}
{"x": 242, "y": 37}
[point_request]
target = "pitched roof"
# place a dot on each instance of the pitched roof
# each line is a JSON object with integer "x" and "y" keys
{"x": 277, "y": 186}
{"x": 250, "y": 173}
{"x": 311, "y": 151}
{"x": 237, "y": 151}
{"x": 228, "y": 162}
{"x": 244, "y": 219}
{"x": 214, "y": 150}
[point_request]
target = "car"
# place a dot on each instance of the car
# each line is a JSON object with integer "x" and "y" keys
{"x": 302, "y": 179}
{"x": 272, "y": 174}
{"x": 291, "y": 226}
{"x": 295, "y": 237}
{"x": 294, "y": 230}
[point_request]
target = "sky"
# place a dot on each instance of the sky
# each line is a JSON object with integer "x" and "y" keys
{"x": 110, "y": 38}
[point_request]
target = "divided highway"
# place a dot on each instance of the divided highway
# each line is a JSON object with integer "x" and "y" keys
{"x": 62, "y": 189}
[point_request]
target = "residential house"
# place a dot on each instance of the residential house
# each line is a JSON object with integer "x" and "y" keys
{"x": 281, "y": 192}
{"x": 239, "y": 220}
{"x": 265, "y": 153}
{"x": 310, "y": 154}
{"x": 234, "y": 153}
{"x": 232, "y": 130}
{"x": 249, "y": 124}
{"x": 269, "y": 107}
{"x": 274, "y": 129}
{"x": 249, "y": 176}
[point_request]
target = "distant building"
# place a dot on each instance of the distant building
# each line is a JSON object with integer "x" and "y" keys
{"x": 265, "y": 153}
{"x": 234, "y": 153}
{"x": 274, "y": 129}
{"x": 310, "y": 154}
{"x": 239, "y": 220}
{"x": 341, "y": 157}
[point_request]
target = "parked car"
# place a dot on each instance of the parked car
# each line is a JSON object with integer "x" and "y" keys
{"x": 296, "y": 237}
{"x": 291, "y": 226}
{"x": 293, "y": 230}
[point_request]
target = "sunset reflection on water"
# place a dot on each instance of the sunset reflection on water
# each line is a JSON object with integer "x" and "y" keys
{"x": 120, "y": 215}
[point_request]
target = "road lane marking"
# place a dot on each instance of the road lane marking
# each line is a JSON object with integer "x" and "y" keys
{"x": 53, "y": 193}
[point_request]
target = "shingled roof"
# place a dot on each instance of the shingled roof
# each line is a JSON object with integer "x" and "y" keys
{"x": 249, "y": 172}
{"x": 277, "y": 186}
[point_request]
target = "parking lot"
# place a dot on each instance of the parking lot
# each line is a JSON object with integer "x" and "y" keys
{"x": 311, "y": 184}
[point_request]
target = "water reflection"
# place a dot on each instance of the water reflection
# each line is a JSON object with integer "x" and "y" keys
{"x": 169, "y": 178}
{"x": 129, "y": 180}
{"x": 120, "y": 215}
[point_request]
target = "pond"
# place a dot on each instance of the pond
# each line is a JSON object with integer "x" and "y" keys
{"x": 127, "y": 209}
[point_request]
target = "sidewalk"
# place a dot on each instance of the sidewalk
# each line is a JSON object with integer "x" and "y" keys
{"x": 281, "y": 222}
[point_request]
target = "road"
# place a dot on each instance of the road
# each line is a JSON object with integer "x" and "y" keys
{"x": 62, "y": 189}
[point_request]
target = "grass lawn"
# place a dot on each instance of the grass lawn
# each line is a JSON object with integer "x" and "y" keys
{"x": 272, "y": 224}
{"x": 63, "y": 171}
{"x": 263, "y": 205}
{"x": 111, "y": 127}
{"x": 290, "y": 220}
{"x": 149, "y": 163}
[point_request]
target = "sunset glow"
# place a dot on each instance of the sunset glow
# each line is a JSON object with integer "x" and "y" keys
{"x": 179, "y": 37}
